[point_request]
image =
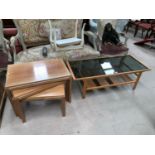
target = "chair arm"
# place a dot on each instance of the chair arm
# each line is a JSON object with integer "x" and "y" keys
{"x": 7, "y": 48}
{"x": 82, "y": 34}
{"x": 51, "y": 39}
{"x": 93, "y": 36}
{"x": 90, "y": 34}
{"x": 125, "y": 38}
{"x": 13, "y": 40}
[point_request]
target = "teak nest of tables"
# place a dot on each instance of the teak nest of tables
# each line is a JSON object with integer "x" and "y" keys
{"x": 37, "y": 80}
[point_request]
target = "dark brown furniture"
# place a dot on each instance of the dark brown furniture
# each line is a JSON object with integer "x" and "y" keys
{"x": 106, "y": 72}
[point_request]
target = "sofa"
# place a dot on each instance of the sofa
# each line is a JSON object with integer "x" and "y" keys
{"x": 33, "y": 35}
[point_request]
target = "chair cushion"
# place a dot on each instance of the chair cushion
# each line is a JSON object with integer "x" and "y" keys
{"x": 69, "y": 41}
{"x": 145, "y": 25}
{"x": 35, "y": 54}
{"x": 30, "y": 28}
{"x": 113, "y": 49}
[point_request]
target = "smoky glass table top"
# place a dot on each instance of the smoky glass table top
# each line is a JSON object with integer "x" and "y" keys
{"x": 105, "y": 66}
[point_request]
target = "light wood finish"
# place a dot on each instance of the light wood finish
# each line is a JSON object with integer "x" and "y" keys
{"x": 68, "y": 89}
{"x": 34, "y": 72}
{"x": 55, "y": 93}
{"x": 19, "y": 110}
{"x": 23, "y": 93}
{"x": 126, "y": 78}
{"x": 51, "y": 93}
{"x": 104, "y": 81}
{"x": 29, "y": 79}
{"x": 137, "y": 80}
{"x": 103, "y": 75}
{"x": 84, "y": 88}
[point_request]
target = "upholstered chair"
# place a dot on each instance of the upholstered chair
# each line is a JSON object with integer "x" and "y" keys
{"x": 5, "y": 56}
{"x": 34, "y": 36}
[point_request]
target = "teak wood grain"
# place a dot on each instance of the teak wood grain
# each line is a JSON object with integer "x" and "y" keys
{"x": 34, "y": 72}
{"x": 38, "y": 80}
{"x": 50, "y": 93}
{"x": 102, "y": 80}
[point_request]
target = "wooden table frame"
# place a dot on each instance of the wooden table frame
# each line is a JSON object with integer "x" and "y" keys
{"x": 104, "y": 81}
{"x": 66, "y": 79}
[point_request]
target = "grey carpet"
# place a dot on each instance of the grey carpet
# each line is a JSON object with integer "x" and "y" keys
{"x": 110, "y": 111}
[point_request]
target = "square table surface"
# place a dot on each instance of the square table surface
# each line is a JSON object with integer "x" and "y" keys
{"x": 105, "y": 66}
{"x": 34, "y": 72}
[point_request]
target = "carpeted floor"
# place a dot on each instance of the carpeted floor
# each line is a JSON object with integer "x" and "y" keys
{"x": 110, "y": 111}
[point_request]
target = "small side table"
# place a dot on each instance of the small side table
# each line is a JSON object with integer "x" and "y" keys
{"x": 39, "y": 73}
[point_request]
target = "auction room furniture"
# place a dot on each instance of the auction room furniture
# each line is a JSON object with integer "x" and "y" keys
{"x": 72, "y": 42}
{"x": 145, "y": 25}
{"x": 33, "y": 34}
{"x": 56, "y": 92}
{"x": 5, "y": 56}
{"x": 106, "y": 72}
{"x": 40, "y": 79}
{"x": 132, "y": 23}
{"x": 5, "y": 59}
{"x": 95, "y": 37}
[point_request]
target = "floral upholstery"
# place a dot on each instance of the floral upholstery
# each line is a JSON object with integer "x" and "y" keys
{"x": 35, "y": 54}
{"x": 36, "y": 31}
{"x": 66, "y": 26}
{"x": 29, "y": 29}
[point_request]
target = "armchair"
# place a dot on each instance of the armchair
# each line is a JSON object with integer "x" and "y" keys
{"x": 29, "y": 38}
{"x": 5, "y": 56}
{"x": 34, "y": 35}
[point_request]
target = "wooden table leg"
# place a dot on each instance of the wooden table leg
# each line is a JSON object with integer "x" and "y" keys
{"x": 138, "y": 77}
{"x": 63, "y": 107}
{"x": 19, "y": 110}
{"x": 11, "y": 101}
{"x": 84, "y": 89}
{"x": 68, "y": 90}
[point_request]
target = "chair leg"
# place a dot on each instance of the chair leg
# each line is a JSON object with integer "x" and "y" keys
{"x": 63, "y": 107}
{"x": 136, "y": 30}
{"x": 142, "y": 32}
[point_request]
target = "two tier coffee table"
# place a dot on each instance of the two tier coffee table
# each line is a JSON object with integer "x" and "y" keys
{"x": 106, "y": 72}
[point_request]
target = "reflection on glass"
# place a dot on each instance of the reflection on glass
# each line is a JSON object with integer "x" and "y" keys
{"x": 109, "y": 71}
{"x": 40, "y": 71}
{"x": 106, "y": 65}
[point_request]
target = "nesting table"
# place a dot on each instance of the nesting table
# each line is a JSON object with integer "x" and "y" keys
{"x": 38, "y": 75}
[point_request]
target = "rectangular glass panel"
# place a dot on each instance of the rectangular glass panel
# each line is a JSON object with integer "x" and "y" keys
{"x": 105, "y": 66}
